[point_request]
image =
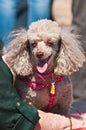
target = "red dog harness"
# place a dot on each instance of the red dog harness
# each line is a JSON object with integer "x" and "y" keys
{"x": 51, "y": 86}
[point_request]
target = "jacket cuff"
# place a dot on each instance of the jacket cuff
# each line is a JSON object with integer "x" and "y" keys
{"x": 27, "y": 111}
{"x": 23, "y": 124}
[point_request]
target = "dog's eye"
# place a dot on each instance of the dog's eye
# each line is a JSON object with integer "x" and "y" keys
{"x": 49, "y": 43}
{"x": 34, "y": 44}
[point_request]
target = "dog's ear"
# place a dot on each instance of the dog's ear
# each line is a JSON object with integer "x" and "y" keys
{"x": 71, "y": 55}
{"x": 19, "y": 58}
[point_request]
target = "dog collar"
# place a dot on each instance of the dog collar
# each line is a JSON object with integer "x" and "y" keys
{"x": 51, "y": 86}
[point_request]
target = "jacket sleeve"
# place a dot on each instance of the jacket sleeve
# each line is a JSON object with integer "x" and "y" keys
{"x": 15, "y": 114}
{"x": 28, "y": 116}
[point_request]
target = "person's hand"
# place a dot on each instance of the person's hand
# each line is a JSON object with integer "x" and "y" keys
{"x": 79, "y": 122}
{"x": 49, "y": 121}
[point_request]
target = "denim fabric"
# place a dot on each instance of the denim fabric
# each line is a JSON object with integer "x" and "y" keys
{"x": 38, "y": 9}
{"x": 13, "y": 17}
{"x": 7, "y": 18}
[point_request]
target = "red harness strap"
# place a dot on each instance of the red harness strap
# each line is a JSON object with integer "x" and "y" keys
{"x": 37, "y": 87}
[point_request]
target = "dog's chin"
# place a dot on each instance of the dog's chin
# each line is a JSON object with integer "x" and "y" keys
{"x": 46, "y": 65}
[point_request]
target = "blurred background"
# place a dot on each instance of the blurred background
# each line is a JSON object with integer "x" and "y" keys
{"x": 62, "y": 11}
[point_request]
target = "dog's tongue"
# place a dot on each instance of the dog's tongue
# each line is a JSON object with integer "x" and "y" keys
{"x": 42, "y": 66}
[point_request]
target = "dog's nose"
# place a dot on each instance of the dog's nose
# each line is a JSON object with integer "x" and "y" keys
{"x": 40, "y": 55}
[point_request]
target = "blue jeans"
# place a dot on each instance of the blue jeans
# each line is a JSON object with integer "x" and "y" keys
{"x": 38, "y": 9}
{"x": 7, "y": 18}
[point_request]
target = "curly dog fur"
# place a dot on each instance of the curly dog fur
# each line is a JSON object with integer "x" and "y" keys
{"x": 59, "y": 50}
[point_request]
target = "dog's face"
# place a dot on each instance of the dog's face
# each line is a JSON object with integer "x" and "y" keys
{"x": 43, "y": 53}
{"x": 52, "y": 48}
{"x": 44, "y": 40}
{"x": 46, "y": 47}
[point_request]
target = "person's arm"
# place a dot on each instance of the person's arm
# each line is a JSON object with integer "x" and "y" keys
{"x": 15, "y": 114}
{"x": 49, "y": 121}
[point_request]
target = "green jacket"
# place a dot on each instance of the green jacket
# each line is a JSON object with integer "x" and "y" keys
{"x": 15, "y": 114}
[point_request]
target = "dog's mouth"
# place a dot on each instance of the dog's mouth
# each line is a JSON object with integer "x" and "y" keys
{"x": 43, "y": 65}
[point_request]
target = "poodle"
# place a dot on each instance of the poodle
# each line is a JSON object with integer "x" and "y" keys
{"x": 42, "y": 59}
